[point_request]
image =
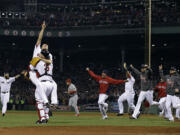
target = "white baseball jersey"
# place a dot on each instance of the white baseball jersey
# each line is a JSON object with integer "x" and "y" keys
{"x": 72, "y": 87}
{"x": 42, "y": 67}
{"x": 5, "y": 84}
{"x": 130, "y": 84}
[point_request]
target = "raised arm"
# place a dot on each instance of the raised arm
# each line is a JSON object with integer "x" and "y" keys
{"x": 92, "y": 74}
{"x": 128, "y": 74}
{"x": 41, "y": 34}
{"x": 136, "y": 71}
{"x": 161, "y": 72}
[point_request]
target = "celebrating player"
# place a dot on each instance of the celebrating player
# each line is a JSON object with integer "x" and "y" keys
{"x": 128, "y": 94}
{"x": 72, "y": 91}
{"x": 161, "y": 89}
{"x": 146, "y": 88}
{"x": 41, "y": 75}
{"x": 104, "y": 82}
{"x": 173, "y": 83}
{"x": 5, "y": 85}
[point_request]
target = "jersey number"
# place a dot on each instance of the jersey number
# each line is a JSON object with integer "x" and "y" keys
{"x": 46, "y": 68}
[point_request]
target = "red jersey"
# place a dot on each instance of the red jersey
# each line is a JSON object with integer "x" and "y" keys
{"x": 104, "y": 82}
{"x": 161, "y": 88}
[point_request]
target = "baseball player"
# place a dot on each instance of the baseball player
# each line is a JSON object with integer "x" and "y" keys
{"x": 128, "y": 94}
{"x": 146, "y": 88}
{"x": 72, "y": 91}
{"x": 104, "y": 82}
{"x": 41, "y": 67}
{"x": 173, "y": 83}
{"x": 5, "y": 85}
{"x": 161, "y": 89}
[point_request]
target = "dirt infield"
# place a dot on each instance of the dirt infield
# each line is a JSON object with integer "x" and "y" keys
{"x": 101, "y": 130}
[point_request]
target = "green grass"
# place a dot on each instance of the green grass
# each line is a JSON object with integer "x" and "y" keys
{"x": 25, "y": 119}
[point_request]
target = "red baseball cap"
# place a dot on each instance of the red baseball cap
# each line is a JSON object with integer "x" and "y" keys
{"x": 68, "y": 80}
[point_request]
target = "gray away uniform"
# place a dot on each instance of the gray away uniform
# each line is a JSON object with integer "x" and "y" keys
{"x": 146, "y": 90}
{"x": 173, "y": 82}
{"x": 73, "y": 98}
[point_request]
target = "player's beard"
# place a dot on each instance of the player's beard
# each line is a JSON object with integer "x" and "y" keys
{"x": 6, "y": 77}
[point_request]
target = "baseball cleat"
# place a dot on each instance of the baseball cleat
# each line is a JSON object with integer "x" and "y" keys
{"x": 119, "y": 114}
{"x": 131, "y": 117}
{"x": 3, "y": 114}
{"x": 38, "y": 122}
{"x": 105, "y": 117}
{"x": 44, "y": 121}
{"x": 171, "y": 120}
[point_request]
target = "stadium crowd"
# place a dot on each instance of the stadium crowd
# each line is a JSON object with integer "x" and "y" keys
{"x": 113, "y": 15}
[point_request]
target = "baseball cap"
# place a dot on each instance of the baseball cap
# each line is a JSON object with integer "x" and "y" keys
{"x": 68, "y": 80}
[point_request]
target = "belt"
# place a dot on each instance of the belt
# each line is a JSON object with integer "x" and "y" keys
{"x": 45, "y": 75}
{"x": 46, "y": 81}
{"x": 5, "y": 92}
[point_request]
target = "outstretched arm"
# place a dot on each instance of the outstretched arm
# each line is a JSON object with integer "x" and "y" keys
{"x": 92, "y": 74}
{"x": 135, "y": 70}
{"x": 41, "y": 34}
{"x": 113, "y": 81}
{"x": 19, "y": 75}
{"x": 161, "y": 72}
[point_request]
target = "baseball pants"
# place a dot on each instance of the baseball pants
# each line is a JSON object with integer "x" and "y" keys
{"x": 130, "y": 99}
{"x": 4, "y": 101}
{"x": 174, "y": 102}
{"x": 39, "y": 92}
{"x": 162, "y": 106}
{"x": 178, "y": 109}
{"x": 148, "y": 95}
{"x": 50, "y": 89}
{"x": 73, "y": 102}
{"x": 102, "y": 105}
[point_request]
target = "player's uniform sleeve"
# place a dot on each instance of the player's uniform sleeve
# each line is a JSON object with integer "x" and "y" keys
{"x": 136, "y": 71}
{"x": 113, "y": 81}
{"x": 93, "y": 75}
{"x": 11, "y": 80}
{"x": 37, "y": 50}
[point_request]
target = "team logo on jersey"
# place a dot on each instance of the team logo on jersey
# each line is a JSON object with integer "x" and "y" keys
{"x": 170, "y": 82}
{"x": 143, "y": 78}
{"x": 104, "y": 82}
